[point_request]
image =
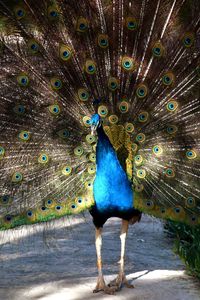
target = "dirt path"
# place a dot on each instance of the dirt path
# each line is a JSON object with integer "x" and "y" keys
{"x": 65, "y": 269}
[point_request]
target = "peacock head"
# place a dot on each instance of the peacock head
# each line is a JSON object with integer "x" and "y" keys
{"x": 95, "y": 122}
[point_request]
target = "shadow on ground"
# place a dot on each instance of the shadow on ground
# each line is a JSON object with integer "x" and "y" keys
{"x": 60, "y": 262}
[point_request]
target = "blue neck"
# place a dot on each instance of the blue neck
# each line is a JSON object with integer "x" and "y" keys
{"x": 112, "y": 190}
{"x": 104, "y": 149}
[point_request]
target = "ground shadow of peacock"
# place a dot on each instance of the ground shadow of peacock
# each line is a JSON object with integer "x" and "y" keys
{"x": 67, "y": 255}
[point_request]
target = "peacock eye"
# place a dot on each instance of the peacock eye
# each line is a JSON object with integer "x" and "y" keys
{"x": 103, "y": 111}
{"x": 177, "y": 210}
{"x": 64, "y": 133}
{"x": 54, "y": 109}
{"x": 140, "y": 137}
{"x": 90, "y": 139}
{"x": 43, "y": 158}
{"x": 138, "y": 160}
{"x": 43, "y": 208}
{"x": 23, "y": 80}
{"x": 33, "y": 46}
{"x": 103, "y": 40}
{"x": 66, "y": 170}
{"x": 49, "y": 203}
{"x": 129, "y": 127}
{"x": 141, "y": 91}
{"x": 143, "y": 117}
{"x": 131, "y": 23}
{"x": 82, "y": 25}
{"x": 83, "y": 94}
{"x": 8, "y": 218}
{"x": 139, "y": 188}
{"x": 113, "y": 119}
{"x": 29, "y": 213}
{"x": 134, "y": 147}
{"x": 5, "y": 200}
{"x": 91, "y": 169}
{"x": 193, "y": 220}
{"x": 78, "y": 151}
{"x": 90, "y": 67}
{"x": 128, "y": 63}
{"x": 92, "y": 157}
{"x": 58, "y": 207}
{"x": 188, "y": 40}
{"x": 158, "y": 50}
{"x": 191, "y": 154}
{"x": 168, "y": 78}
{"x": 123, "y": 107}
{"x": 190, "y": 202}
{"x": 19, "y": 109}
{"x": 169, "y": 172}
{"x": 73, "y": 206}
{"x": 19, "y": 12}
{"x": 157, "y": 150}
{"x": 172, "y": 129}
{"x": 149, "y": 204}
{"x": 113, "y": 84}
{"x": 53, "y": 13}
{"x": 2, "y": 152}
{"x": 162, "y": 210}
{"x": 65, "y": 52}
{"x": 17, "y": 177}
{"x": 172, "y": 105}
{"x": 88, "y": 185}
{"x": 86, "y": 121}
{"x": 141, "y": 173}
{"x": 56, "y": 84}
{"x": 24, "y": 136}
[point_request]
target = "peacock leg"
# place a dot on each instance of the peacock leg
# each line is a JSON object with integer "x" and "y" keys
{"x": 101, "y": 286}
{"x": 121, "y": 278}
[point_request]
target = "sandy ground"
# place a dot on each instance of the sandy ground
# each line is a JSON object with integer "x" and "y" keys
{"x": 64, "y": 267}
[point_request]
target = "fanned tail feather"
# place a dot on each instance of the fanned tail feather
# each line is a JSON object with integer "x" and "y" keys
{"x": 137, "y": 65}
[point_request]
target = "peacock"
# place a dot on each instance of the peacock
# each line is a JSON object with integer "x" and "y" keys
{"x": 99, "y": 111}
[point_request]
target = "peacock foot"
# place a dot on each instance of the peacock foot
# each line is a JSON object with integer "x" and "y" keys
{"x": 119, "y": 281}
{"x": 101, "y": 286}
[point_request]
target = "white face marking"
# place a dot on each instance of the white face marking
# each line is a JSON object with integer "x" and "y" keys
{"x": 94, "y": 128}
